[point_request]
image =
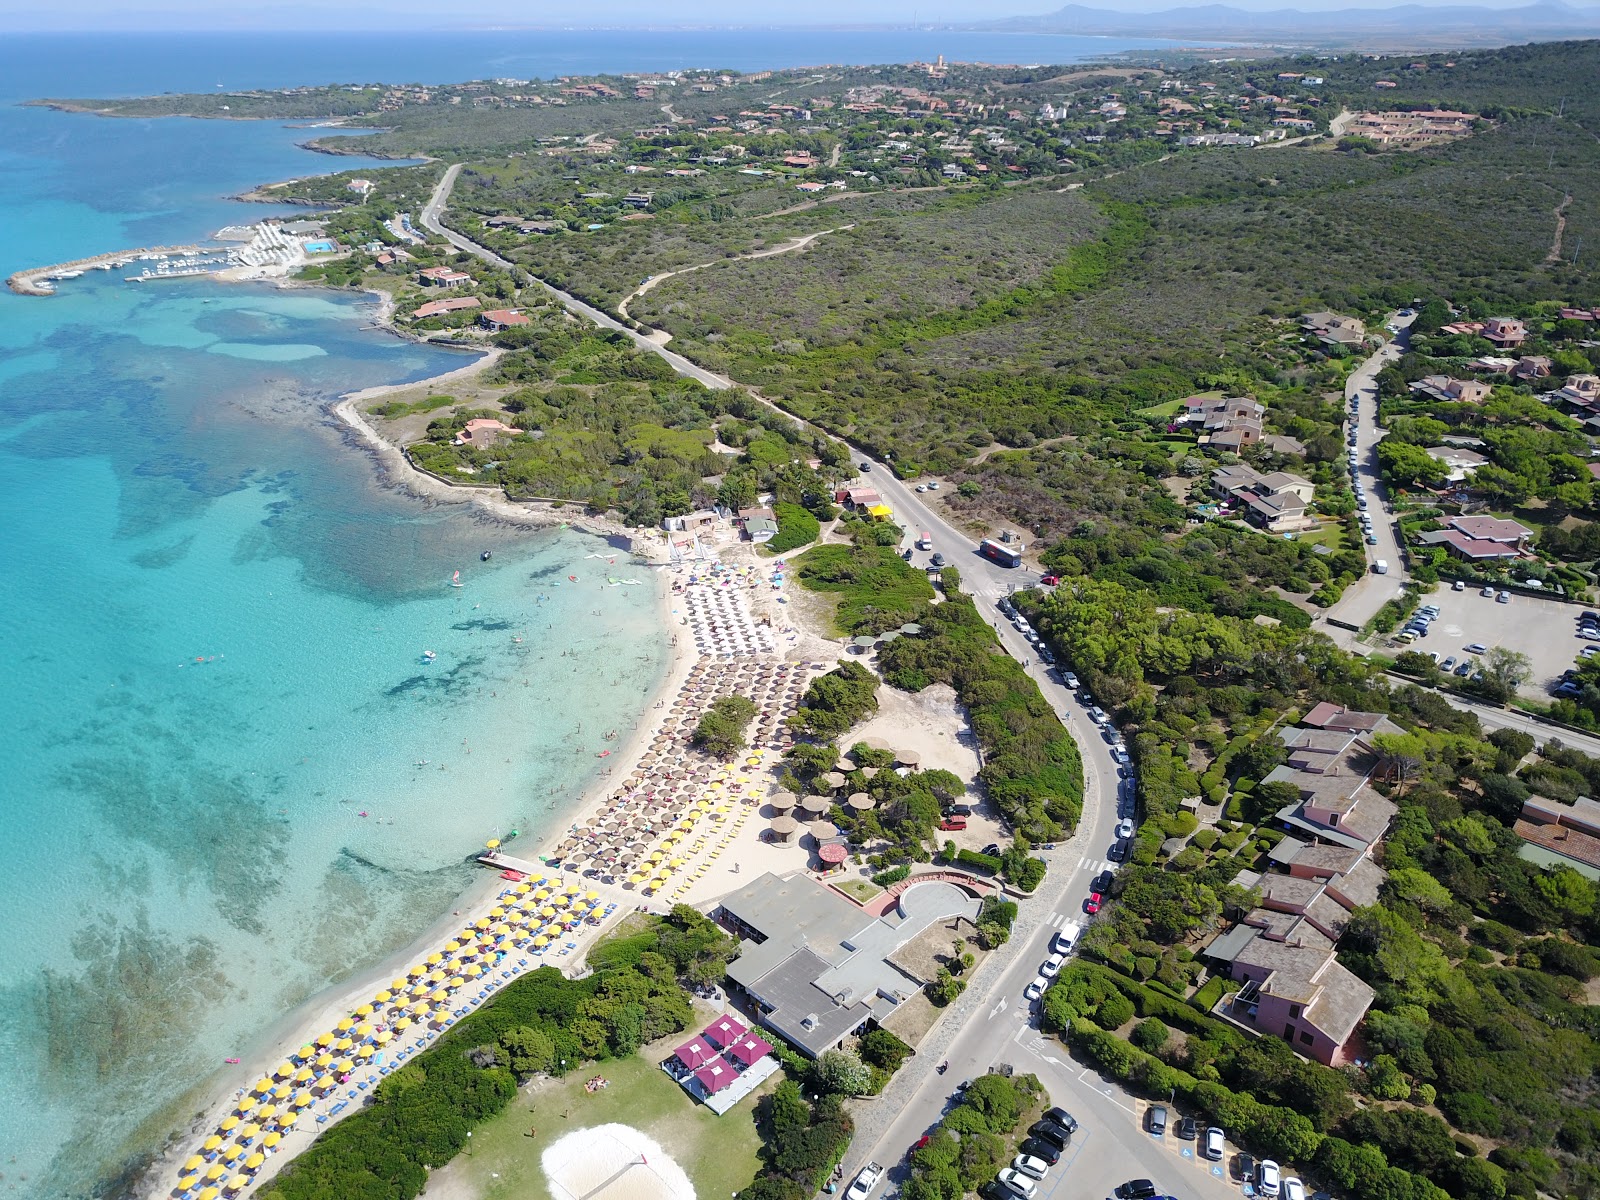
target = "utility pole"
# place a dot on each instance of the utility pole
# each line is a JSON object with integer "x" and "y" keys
{"x": 1576, "y": 250}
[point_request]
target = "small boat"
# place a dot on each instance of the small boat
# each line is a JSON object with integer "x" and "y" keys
{"x": 428, "y": 656}
{"x": 486, "y": 556}
{"x": 455, "y": 580}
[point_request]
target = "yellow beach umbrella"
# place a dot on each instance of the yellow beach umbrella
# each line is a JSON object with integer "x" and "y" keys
{"x": 325, "y": 1040}
{"x": 384, "y": 1038}
{"x": 324, "y": 1061}
{"x": 210, "y": 1193}
{"x": 419, "y": 1009}
{"x": 364, "y": 1030}
{"x": 262, "y": 1086}
{"x": 435, "y": 959}
{"x": 481, "y": 923}
{"x": 305, "y": 1051}
{"x": 194, "y": 1164}
{"x": 345, "y": 1026}
{"x": 215, "y": 1171}
{"x": 439, "y": 996}
{"x": 188, "y": 1181}
{"x": 574, "y": 887}
{"x": 365, "y": 1052}
{"x": 541, "y": 941}
{"x": 493, "y": 843}
{"x": 211, "y": 1143}
{"x": 253, "y": 1130}
{"x": 282, "y": 1090}
{"x": 396, "y": 984}
{"x": 283, "y": 1068}
{"x": 229, "y": 1124}
{"x": 266, "y": 1114}
{"x": 403, "y": 1024}
{"x": 232, "y": 1152}
{"x": 303, "y": 1075}
{"x": 497, "y": 912}
{"x": 591, "y": 895}
{"x": 300, "y": 1101}
{"x": 253, "y": 1163}
{"x": 245, "y": 1105}
{"x": 272, "y": 1139}
{"x": 237, "y": 1183}
{"x": 288, "y": 1119}
{"x": 364, "y": 1011}
{"x": 547, "y": 912}
{"x": 523, "y": 889}
{"x": 541, "y": 894}
{"x": 342, "y": 1045}
{"x": 451, "y": 947}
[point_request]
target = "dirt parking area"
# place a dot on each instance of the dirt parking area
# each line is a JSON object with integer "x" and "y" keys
{"x": 1544, "y": 630}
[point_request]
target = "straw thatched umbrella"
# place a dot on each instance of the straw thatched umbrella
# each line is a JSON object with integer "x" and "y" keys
{"x": 834, "y": 780}
{"x": 781, "y": 802}
{"x": 908, "y": 758}
{"x": 875, "y": 744}
{"x": 861, "y": 802}
{"x": 815, "y": 805}
{"x": 844, "y": 766}
{"x": 786, "y": 829}
{"x": 823, "y": 830}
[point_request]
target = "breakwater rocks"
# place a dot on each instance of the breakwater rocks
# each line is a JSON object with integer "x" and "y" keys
{"x": 36, "y": 281}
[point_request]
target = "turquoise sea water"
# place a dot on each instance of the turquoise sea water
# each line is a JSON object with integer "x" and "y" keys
{"x": 213, "y": 616}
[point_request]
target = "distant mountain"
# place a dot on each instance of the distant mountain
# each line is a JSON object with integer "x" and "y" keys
{"x": 1409, "y": 24}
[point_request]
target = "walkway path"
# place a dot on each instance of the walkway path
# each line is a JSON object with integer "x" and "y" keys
{"x": 795, "y": 243}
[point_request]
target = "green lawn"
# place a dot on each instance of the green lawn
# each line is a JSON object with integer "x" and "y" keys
{"x": 718, "y": 1153}
{"x": 860, "y": 889}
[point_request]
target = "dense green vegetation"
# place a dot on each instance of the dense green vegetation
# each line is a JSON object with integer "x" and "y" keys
{"x": 975, "y": 1139}
{"x": 422, "y": 1114}
{"x": 834, "y": 702}
{"x": 721, "y": 730}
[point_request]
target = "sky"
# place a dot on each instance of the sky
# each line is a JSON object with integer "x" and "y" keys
{"x": 113, "y": 15}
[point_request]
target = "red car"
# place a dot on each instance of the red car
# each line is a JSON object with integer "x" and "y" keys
{"x": 1050, "y": 580}
{"x": 1092, "y": 904}
{"x": 921, "y": 1142}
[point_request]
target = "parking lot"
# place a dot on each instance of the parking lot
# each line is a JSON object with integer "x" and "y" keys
{"x": 1542, "y": 629}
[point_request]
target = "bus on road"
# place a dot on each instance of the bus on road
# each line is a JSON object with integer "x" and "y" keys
{"x": 1000, "y": 552}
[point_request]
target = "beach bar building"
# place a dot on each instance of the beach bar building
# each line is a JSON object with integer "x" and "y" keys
{"x": 722, "y": 1065}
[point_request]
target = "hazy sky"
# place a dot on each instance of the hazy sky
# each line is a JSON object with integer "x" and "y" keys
{"x": 430, "y": 14}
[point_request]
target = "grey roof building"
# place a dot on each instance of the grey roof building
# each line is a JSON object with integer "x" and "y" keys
{"x": 818, "y": 966}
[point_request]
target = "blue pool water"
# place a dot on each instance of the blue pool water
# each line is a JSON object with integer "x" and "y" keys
{"x": 319, "y": 247}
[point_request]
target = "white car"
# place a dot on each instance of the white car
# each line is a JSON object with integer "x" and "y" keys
{"x": 1016, "y": 1182}
{"x": 1268, "y": 1179}
{"x": 1293, "y": 1189}
{"x": 1036, "y": 989}
{"x": 866, "y": 1179}
{"x": 1051, "y": 967}
{"x": 1213, "y": 1144}
{"x": 1125, "y": 827}
{"x": 1033, "y": 1168}
{"x": 1066, "y": 938}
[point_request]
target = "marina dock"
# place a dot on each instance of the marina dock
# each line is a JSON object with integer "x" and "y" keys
{"x": 39, "y": 281}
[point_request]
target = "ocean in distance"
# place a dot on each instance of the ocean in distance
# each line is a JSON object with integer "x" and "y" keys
{"x": 214, "y": 612}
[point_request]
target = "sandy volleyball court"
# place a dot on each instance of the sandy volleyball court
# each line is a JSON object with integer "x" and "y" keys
{"x": 612, "y": 1162}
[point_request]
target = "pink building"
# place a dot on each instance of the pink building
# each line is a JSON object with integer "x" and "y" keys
{"x": 484, "y": 431}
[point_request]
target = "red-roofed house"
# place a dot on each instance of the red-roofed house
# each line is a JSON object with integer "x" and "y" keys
{"x": 724, "y": 1031}
{"x": 437, "y": 308}
{"x": 484, "y": 431}
{"x": 444, "y": 277}
{"x": 497, "y": 319}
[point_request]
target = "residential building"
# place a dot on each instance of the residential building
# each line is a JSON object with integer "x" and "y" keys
{"x": 1278, "y": 502}
{"x": 1532, "y": 366}
{"x": 443, "y": 277}
{"x": 760, "y": 529}
{"x": 497, "y": 319}
{"x": 1480, "y": 539}
{"x": 1556, "y": 834}
{"x": 1335, "y": 329}
{"x": 438, "y": 308}
{"x": 1331, "y": 758}
{"x": 484, "y": 432}
{"x": 1580, "y": 393}
{"x": 1444, "y": 388}
{"x": 817, "y": 967}
{"x": 1507, "y": 333}
{"x": 1460, "y": 462}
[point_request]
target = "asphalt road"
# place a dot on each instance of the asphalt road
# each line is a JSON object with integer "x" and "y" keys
{"x": 1363, "y": 598}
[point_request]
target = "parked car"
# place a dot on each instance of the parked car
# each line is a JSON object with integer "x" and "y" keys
{"x": 1092, "y": 904}
{"x": 1213, "y": 1145}
{"x": 1033, "y": 1168}
{"x": 1448, "y": 663}
{"x": 865, "y": 466}
{"x": 1047, "y": 1130}
{"x": 1188, "y": 1129}
{"x": 1487, "y": 591}
{"x": 1136, "y": 1189}
{"x": 1156, "y": 1119}
{"x": 1062, "y": 1118}
{"x": 1464, "y": 669}
{"x": 937, "y": 560}
{"x": 1118, "y": 851}
{"x": 1051, "y": 967}
{"x": 992, "y": 849}
{"x": 1125, "y": 827}
{"x": 1503, "y": 598}
{"x": 953, "y": 824}
{"x": 1066, "y": 938}
{"x": 1269, "y": 1182}
{"x": 1071, "y": 680}
{"x": 1476, "y": 648}
{"x": 1372, "y": 540}
{"x": 920, "y": 1143}
{"x": 1102, "y": 882}
{"x": 1015, "y": 1182}
{"x": 1244, "y": 1167}
{"x": 1036, "y": 989}
{"x": 1293, "y": 1189}
{"x": 1038, "y": 1148}
{"x": 1459, "y": 585}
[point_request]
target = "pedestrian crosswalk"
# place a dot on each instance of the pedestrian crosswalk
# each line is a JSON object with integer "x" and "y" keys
{"x": 1096, "y": 865}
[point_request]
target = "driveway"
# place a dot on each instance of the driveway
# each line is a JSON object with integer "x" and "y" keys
{"x": 1363, "y": 598}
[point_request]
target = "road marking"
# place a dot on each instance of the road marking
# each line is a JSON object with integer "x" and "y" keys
{"x": 999, "y": 1007}
{"x": 1086, "y": 1076}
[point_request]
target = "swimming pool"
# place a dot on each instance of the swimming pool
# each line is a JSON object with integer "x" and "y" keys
{"x": 318, "y": 247}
